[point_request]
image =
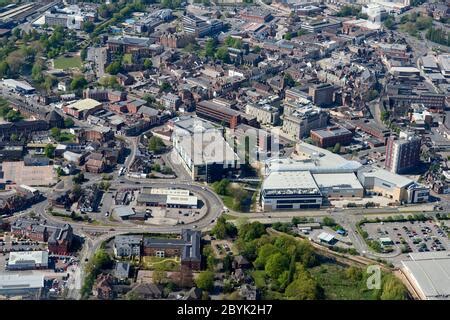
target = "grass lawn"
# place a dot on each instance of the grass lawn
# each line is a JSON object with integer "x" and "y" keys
{"x": 157, "y": 263}
{"x": 337, "y": 286}
{"x": 67, "y": 63}
{"x": 66, "y": 137}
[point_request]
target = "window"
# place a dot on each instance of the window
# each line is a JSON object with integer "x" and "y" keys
{"x": 160, "y": 254}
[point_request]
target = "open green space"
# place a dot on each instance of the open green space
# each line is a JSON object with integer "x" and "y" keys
{"x": 67, "y": 62}
{"x": 162, "y": 264}
{"x": 337, "y": 284}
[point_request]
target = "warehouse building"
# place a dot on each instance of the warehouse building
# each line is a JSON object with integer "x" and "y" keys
{"x": 19, "y": 86}
{"x": 30, "y": 260}
{"x": 290, "y": 190}
{"x": 27, "y": 286}
{"x": 428, "y": 272}
{"x": 170, "y": 198}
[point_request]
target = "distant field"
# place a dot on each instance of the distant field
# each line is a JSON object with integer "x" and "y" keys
{"x": 67, "y": 63}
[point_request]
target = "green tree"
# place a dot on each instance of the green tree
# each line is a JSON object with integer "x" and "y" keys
{"x": 221, "y": 187}
{"x": 165, "y": 87}
{"x": 210, "y": 47}
{"x": 222, "y": 54}
{"x": 68, "y": 123}
{"x": 264, "y": 253}
{"x": 223, "y": 229}
{"x": 287, "y": 36}
{"x": 276, "y": 264}
{"x": 389, "y": 22}
{"x": 88, "y": 27}
{"x": 148, "y": 64}
{"x": 303, "y": 287}
{"x": 337, "y": 148}
{"x": 205, "y": 280}
{"x": 4, "y": 69}
{"x": 251, "y": 231}
{"x": 55, "y": 133}
{"x": 156, "y": 145}
{"x": 49, "y": 150}
{"x": 78, "y": 179}
{"x": 159, "y": 276}
{"x": 78, "y": 83}
{"x": 114, "y": 67}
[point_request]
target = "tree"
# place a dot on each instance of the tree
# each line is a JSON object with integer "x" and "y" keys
{"x": 276, "y": 265}
{"x": 156, "y": 145}
{"x": 264, "y": 253}
{"x": 337, "y": 148}
{"x": 49, "y": 150}
{"x": 78, "y": 83}
{"x": 148, "y": 64}
{"x": 304, "y": 287}
{"x": 79, "y": 178}
{"x": 389, "y": 22}
{"x": 210, "y": 47}
{"x": 222, "y": 229}
{"x": 68, "y": 123}
{"x": 13, "y": 116}
{"x": 250, "y": 231}
{"x": 159, "y": 276}
{"x": 88, "y": 27}
{"x": 4, "y": 69}
{"x": 55, "y": 133}
{"x": 288, "y": 80}
{"x": 221, "y": 187}
{"x": 222, "y": 54}
{"x": 83, "y": 54}
{"x": 114, "y": 67}
{"x": 14, "y": 137}
{"x": 205, "y": 280}
{"x": 165, "y": 86}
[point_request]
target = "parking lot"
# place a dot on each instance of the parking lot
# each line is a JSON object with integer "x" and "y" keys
{"x": 410, "y": 236}
{"x": 8, "y": 243}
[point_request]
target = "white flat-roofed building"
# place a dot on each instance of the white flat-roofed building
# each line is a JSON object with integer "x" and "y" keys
{"x": 405, "y": 73}
{"x": 181, "y": 201}
{"x": 444, "y": 64}
{"x": 315, "y": 160}
{"x": 173, "y": 192}
{"x": 26, "y": 260}
{"x": 337, "y": 185}
{"x": 164, "y": 197}
{"x": 19, "y": 86}
{"x": 25, "y": 285}
{"x": 429, "y": 273}
{"x": 429, "y": 64}
{"x": 290, "y": 190}
{"x": 326, "y": 237}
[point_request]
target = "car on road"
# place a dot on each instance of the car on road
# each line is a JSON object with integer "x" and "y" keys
{"x": 194, "y": 226}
